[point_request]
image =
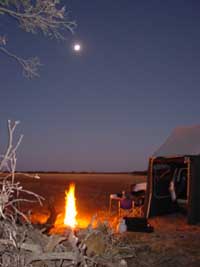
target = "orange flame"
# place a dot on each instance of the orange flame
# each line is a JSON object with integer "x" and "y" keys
{"x": 70, "y": 207}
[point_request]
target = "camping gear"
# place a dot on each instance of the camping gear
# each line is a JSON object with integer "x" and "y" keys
{"x": 175, "y": 164}
{"x": 138, "y": 224}
{"x": 126, "y": 206}
{"x": 121, "y": 227}
{"x": 136, "y": 194}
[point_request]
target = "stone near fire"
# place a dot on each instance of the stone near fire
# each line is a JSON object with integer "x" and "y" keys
{"x": 96, "y": 244}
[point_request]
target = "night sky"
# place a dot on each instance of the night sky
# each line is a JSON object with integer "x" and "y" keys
{"x": 110, "y": 107}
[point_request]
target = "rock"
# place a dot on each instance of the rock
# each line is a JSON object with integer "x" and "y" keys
{"x": 123, "y": 263}
{"x": 96, "y": 244}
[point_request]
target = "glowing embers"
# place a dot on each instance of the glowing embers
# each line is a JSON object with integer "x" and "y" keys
{"x": 70, "y": 207}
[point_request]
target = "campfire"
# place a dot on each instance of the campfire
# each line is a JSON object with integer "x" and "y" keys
{"x": 70, "y": 207}
{"x": 70, "y": 218}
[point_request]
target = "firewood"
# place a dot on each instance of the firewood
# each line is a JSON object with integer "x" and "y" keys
{"x": 52, "y": 256}
{"x": 54, "y": 240}
{"x": 26, "y": 246}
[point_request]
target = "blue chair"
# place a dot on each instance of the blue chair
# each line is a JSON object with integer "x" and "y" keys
{"x": 126, "y": 207}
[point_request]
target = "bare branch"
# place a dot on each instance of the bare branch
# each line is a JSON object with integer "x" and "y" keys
{"x": 29, "y": 66}
{"x": 44, "y": 15}
{"x": 10, "y": 190}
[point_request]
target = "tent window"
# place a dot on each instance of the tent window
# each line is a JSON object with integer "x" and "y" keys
{"x": 162, "y": 175}
{"x": 181, "y": 183}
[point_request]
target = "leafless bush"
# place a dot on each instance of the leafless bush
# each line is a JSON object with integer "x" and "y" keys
{"x": 10, "y": 190}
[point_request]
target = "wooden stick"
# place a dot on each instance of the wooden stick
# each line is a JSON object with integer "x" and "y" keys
{"x": 53, "y": 256}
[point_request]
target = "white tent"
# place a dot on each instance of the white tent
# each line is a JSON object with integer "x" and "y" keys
{"x": 182, "y": 141}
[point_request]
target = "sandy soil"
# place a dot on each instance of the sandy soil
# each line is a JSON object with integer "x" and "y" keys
{"x": 173, "y": 242}
{"x": 92, "y": 190}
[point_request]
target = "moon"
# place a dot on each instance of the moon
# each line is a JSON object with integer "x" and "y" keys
{"x": 77, "y": 47}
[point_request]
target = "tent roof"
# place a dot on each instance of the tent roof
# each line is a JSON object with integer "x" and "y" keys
{"x": 182, "y": 141}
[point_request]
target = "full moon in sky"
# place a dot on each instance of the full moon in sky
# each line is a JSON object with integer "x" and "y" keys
{"x": 77, "y": 47}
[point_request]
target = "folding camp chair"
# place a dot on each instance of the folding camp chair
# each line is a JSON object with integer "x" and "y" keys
{"x": 126, "y": 207}
{"x": 138, "y": 195}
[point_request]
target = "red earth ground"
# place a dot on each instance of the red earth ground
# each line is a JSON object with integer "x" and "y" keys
{"x": 173, "y": 242}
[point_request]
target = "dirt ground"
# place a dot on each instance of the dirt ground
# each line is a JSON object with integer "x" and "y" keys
{"x": 173, "y": 242}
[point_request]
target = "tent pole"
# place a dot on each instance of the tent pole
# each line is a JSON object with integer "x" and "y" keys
{"x": 150, "y": 181}
{"x": 188, "y": 178}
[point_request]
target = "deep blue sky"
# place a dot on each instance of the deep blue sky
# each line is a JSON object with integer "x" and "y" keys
{"x": 111, "y": 107}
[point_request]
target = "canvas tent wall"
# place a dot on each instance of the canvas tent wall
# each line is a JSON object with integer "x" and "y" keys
{"x": 182, "y": 141}
{"x": 180, "y": 154}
